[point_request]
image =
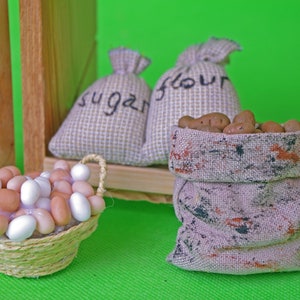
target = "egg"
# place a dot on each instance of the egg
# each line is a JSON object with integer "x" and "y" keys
{"x": 45, "y": 174}
{"x": 16, "y": 182}
{"x": 32, "y": 174}
{"x": 60, "y": 211}
{"x": 44, "y": 203}
{"x": 21, "y": 228}
{"x": 60, "y": 174}
{"x": 63, "y": 186}
{"x": 61, "y": 164}
{"x": 83, "y": 187}
{"x": 9, "y": 200}
{"x": 97, "y": 204}
{"x": 80, "y": 207}
{"x": 5, "y": 175}
{"x": 45, "y": 222}
{"x": 30, "y": 192}
{"x": 45, "y": 186}
{"x": 3, "y": 224}
{"x": 80, "y": 172}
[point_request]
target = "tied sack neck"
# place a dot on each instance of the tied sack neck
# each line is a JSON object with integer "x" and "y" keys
{"x": 214, "y": 50}
{"x": 126, "y": 61}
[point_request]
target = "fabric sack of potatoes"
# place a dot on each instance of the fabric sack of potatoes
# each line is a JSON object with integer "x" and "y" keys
{"x": 237, "y": 195}
{"x": 198, "y": 84}
{"x": 109, "y": 118}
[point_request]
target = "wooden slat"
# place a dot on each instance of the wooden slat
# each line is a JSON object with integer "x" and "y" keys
{"x": 6, "y": 112}
{"x": 33, "y": 87}
{"x": 140, "y": 179}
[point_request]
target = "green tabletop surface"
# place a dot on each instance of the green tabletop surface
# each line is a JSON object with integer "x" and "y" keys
{"x": 125, "y": 258}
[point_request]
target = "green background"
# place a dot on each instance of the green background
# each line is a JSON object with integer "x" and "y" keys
{"x": 265, "y": 73}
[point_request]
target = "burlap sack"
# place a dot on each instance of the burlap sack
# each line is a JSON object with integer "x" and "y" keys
{"x": 238, "y": 198}
{"x": 109, "y": 118}
{"x": 197, "y": 85}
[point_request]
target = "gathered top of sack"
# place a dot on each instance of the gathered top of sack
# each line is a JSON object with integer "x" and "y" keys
{"x": 214, "y": 50}
{"x": 126, "y": 61}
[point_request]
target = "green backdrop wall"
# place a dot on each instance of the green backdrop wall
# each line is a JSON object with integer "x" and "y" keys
{"x": 265, "y": 73}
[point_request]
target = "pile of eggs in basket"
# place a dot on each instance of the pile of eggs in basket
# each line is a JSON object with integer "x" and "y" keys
{"x": 39, "y": 204}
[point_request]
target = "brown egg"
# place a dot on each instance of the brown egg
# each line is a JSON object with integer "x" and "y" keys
{"x": 60, "y": 211}
{"x": 215, "y": 119}
{"x": 291, "y": 126}
{"x": 16, "y": 182}
{"x": 66, "y": 196}
{"x": 5, "y": 175}
{"x": 83, "y": 188}
{"x": 97, "y": 204}
{"x": 3, "y": 224}
{"x": 185, "y": 121}
{"x": 239, "y": 128}
{"x": 45, "y": 221}
{"x": 271, "y": 126}
{"x": 60, "y": 174}
{"x": 9, "y": 200}
{"x": 245, "y": 116}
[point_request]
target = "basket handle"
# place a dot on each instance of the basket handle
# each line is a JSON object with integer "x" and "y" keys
{"x": 102, "y": 163}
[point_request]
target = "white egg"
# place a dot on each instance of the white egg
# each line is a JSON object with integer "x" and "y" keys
{"x": 80, "y": 172}
{"x": 44, "y": 203}
{"x": 45, "y": 186}
{"x": 30, "y": 192}
{"x": 45, "y": 174}
{"x": 21, "y": 228}
{"x": 80, "y": 207}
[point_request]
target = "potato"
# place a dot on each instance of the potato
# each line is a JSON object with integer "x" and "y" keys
{"x": 245, "y": 116}
{"x": 238, "y": 128}
{"x": 184, "y": 121}
{"x": 201, "y": 127}
{"x": 271, "y": 126}
{"x": 215, "y": 119}
{"x": 291, "y": 126}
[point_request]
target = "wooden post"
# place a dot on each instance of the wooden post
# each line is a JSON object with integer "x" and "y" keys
{"x": 6, "y": 112}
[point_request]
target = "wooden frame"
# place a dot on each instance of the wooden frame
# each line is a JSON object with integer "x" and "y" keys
{"x": 54, "y": 71}
{"x": 6, "y": 111}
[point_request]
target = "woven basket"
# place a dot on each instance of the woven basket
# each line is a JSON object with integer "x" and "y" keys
{"x": 43, "y": 256}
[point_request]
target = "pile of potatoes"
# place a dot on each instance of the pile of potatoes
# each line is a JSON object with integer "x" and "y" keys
{"x": 242, "y": 123}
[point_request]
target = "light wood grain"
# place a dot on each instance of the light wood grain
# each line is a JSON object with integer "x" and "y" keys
{"x": 6, "y": 112}
{"x": 58, "y": 62}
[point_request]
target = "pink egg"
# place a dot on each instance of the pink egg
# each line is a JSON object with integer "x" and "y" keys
{"x": 61, "y": 164}
{"x": 83, "y": 188}
{"x": 97, "y": 204}
{"x": 63, "y": 186}
{"x": 16, "y": 182}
